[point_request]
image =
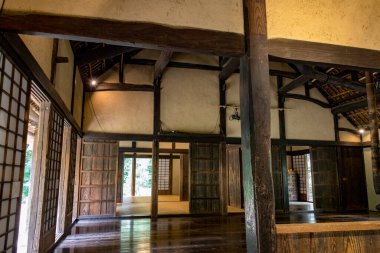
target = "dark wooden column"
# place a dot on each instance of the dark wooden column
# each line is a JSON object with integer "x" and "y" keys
{"x": 373, "y": 124}
{"x": 133, "y": 187}
{"x": 281, "y": 119}
{"x": 255, "y": 123}
{"x": 155, "y": 147}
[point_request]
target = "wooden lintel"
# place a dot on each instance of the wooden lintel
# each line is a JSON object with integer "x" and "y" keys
{"x": 323, "y": 54}
{"x": 309, "y": 99}
{"x": 162, "y": 62}
{"x": 229, "y": 69}
{"x": 122, "y": 87}
{"x": 349, "y": 130}
{"x": 149, "y": 150}
{"x": 106, "y": 52}
{"x": 125, "y": 33}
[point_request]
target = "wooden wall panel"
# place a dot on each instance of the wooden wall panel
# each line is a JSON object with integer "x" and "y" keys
{"x": 97, "y": 194}
{"x": 184, "y": 178}
{"x": 277, "y": 178}
{"x": 325, "y": 178}
{"x": 330, "y": 242}
{"x": 205, "y": 195}
{"x": 235, "y": 187}
{"x": 14, "y": 107}
{"x": 120, "y": 178}
{"x": 352, "y": 179}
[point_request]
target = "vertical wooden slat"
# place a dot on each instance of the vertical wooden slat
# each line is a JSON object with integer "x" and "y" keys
{"x": 235, "y": 192}
{"x": 154, "y": 195}
{"x": 120, "y": 178}
{"x": 255, "y": 124}
{"x": 133, "y": 188}
{"x": 223, "y": 178}
{"x": 76, "y": 189}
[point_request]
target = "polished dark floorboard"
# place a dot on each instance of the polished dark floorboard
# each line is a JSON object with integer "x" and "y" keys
{"x": 178, "y": 234}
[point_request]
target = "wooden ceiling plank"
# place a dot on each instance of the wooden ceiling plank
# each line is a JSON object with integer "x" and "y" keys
{"x": 101, "y": 54}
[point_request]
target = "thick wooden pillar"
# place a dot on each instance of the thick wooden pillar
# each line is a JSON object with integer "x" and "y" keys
{"x": 373, "y": 124}
{"x": 255, "y": 123}
{"x": 133, "y": 187}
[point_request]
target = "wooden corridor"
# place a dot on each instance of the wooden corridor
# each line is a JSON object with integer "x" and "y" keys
{"x": 221, "y": 234}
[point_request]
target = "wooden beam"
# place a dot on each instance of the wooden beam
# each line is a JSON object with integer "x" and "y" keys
{"x": 222, "y": 109}
{"x": 122, "y": 87}
{"x": 374, "y": 130}
{"x": 125, "y": 33}
{"x": 149, "y": 150}
{"x": 161, "y": 63}
{"x": 309, "y": 99}
{"x": 73, "y": 87}
{"x": 106, "y": 52}
{"x": 349, "y": 130}
{"x": 326, "y": 78}
{"x": 229, "y": 69}
{"x": 53, "y": 66}
{"x": 323, "y": 54}
{"x": 255, "y": 124}
{"x": 121, "y": 69}
{"x": 299, "y": 81}
{"x": 25, "y": 60}
{"x": 353, "y": 105}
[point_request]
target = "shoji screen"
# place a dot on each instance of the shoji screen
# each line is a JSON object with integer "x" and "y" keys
{"x": 14, "y": 105}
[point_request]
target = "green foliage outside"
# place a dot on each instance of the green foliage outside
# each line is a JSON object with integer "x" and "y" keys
{"x": 143, "y": 176}
{"x": 27, "y": 168}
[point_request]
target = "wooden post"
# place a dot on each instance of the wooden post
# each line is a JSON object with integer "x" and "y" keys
{"x": 155, "y": 148}
{"x": 155, "y": 157}
{"x": 373, "y": 124}
{"x": 133, "y": 187}
{"x": 255, "y": 124}
{"x": 281, "y": 118}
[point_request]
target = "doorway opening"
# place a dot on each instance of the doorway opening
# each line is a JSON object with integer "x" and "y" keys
{"x": 300, "y": 179}
{"x": 32, "y": 142}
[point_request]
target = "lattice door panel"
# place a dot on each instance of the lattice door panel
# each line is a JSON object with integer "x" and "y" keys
{"x": 71, "y": 178}
{"x": 164, "y": 176}
{"x": 97, "y": 193}
{"x": 299, "y": 165}
{"x": 14, "y": 105}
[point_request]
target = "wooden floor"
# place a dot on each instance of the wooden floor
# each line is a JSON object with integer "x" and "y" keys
{"x": 222, "y": 234}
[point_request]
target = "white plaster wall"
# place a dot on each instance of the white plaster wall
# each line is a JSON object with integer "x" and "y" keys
{"x": 373, "y": 198}
{"x": 41, "y": 48}
{"x": 190, "y": 101}
{"x": 346, "y": 136}
{"x": 220, "y": 15}
{"x": 63, "y": 80}
{"x": 348, "y": 23}
{"x": 306, "y": 120}
{"x": 119, "y": 112}
{"x": 176, "y": 176}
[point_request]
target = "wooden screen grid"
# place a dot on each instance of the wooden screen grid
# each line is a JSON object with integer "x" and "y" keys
{"x": 14, "y": 106}
{"x": 52, "y": 172}
{"x": 97, "y": 194}
{"x": 164, "y": 174}
{"x": 299, "y": 165}
{"x": 71, "y": 178}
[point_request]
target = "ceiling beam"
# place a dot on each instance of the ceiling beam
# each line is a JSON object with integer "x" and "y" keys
{"x": 306, "y": 98}
{"x": 353, "y": 105}
{"x": 287, "y": 50}
{"x": 125, "y": 33}
{"x": 299, "y": 81}
{"x": 232, "y": 65}
{"x": 122, "y": 87}
{"x": 329, "y": 79}
{"x": 161, "y": 63}
{"x": 102, "y": 53}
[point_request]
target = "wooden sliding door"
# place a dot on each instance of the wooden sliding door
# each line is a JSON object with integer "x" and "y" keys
{"x": 235, "y": 186}
{"x": 165, "y": 171}
{"x": 14, "y": 106}
{"x": 98, "y": 177}
{"x": 205, "y": 193}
